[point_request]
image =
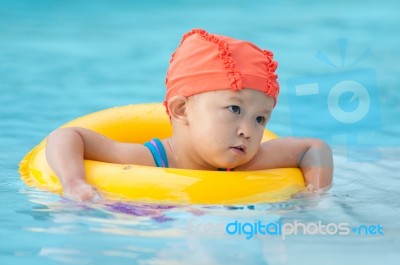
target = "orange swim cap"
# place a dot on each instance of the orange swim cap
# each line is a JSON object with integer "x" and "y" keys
{"x": 205, "y": 62}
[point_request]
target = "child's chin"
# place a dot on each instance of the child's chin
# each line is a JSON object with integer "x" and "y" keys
{"x": 227, "y": 165}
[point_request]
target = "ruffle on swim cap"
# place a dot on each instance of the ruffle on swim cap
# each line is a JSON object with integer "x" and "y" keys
{"x": 205, "y": 62}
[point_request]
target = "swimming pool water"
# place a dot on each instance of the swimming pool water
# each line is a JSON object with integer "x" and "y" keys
{"x": 60, "y": 60}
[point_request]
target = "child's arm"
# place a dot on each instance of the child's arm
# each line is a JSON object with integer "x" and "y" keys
{"x": 313, "y": 156}
{"x": 67, "y": 148}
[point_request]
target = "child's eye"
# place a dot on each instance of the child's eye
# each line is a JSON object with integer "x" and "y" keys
{"x": 260, "y": 119}
{"x": 234, "y": 109}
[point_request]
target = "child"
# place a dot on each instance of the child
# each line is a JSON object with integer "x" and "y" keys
{"x": 220, "y": 95}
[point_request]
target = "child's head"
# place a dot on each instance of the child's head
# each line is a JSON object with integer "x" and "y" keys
{"x": 205, "y": 62}
{"x": 220, "y": 94}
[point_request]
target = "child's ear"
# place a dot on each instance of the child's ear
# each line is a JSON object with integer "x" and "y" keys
{"x": 177, "y": 109}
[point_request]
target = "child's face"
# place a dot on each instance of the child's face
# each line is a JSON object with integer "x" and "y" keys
{"x": 226, "y": 127}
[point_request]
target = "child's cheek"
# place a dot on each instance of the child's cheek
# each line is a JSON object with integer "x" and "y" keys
{"x": 224, "y": 117}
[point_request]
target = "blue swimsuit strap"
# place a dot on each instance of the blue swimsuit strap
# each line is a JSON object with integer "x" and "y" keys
{"x": 157, "y": 150}
{"x": 160, "y": 157}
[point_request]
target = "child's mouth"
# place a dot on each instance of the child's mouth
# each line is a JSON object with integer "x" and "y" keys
{"x": 241, "y": 149}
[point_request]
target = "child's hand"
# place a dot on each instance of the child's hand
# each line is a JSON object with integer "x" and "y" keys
{"x": 82, "y": 192}
{"x": 67, "y": 148}
{"x": 312, "y": 156}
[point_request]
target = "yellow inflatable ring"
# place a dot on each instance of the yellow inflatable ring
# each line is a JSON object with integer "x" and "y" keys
{"x": 139, "y": 123}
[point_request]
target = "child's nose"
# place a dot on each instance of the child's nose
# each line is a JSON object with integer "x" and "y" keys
{"x": 245, "y": 129}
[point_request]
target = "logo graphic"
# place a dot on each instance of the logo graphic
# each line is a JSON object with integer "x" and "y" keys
{"x": 249, "y": 229}
{"x": 331, "y": 106}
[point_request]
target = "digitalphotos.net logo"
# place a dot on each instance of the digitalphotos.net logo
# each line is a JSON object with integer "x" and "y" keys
{"x": 261, "y": 229}
{"x": 344, "y": 102}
